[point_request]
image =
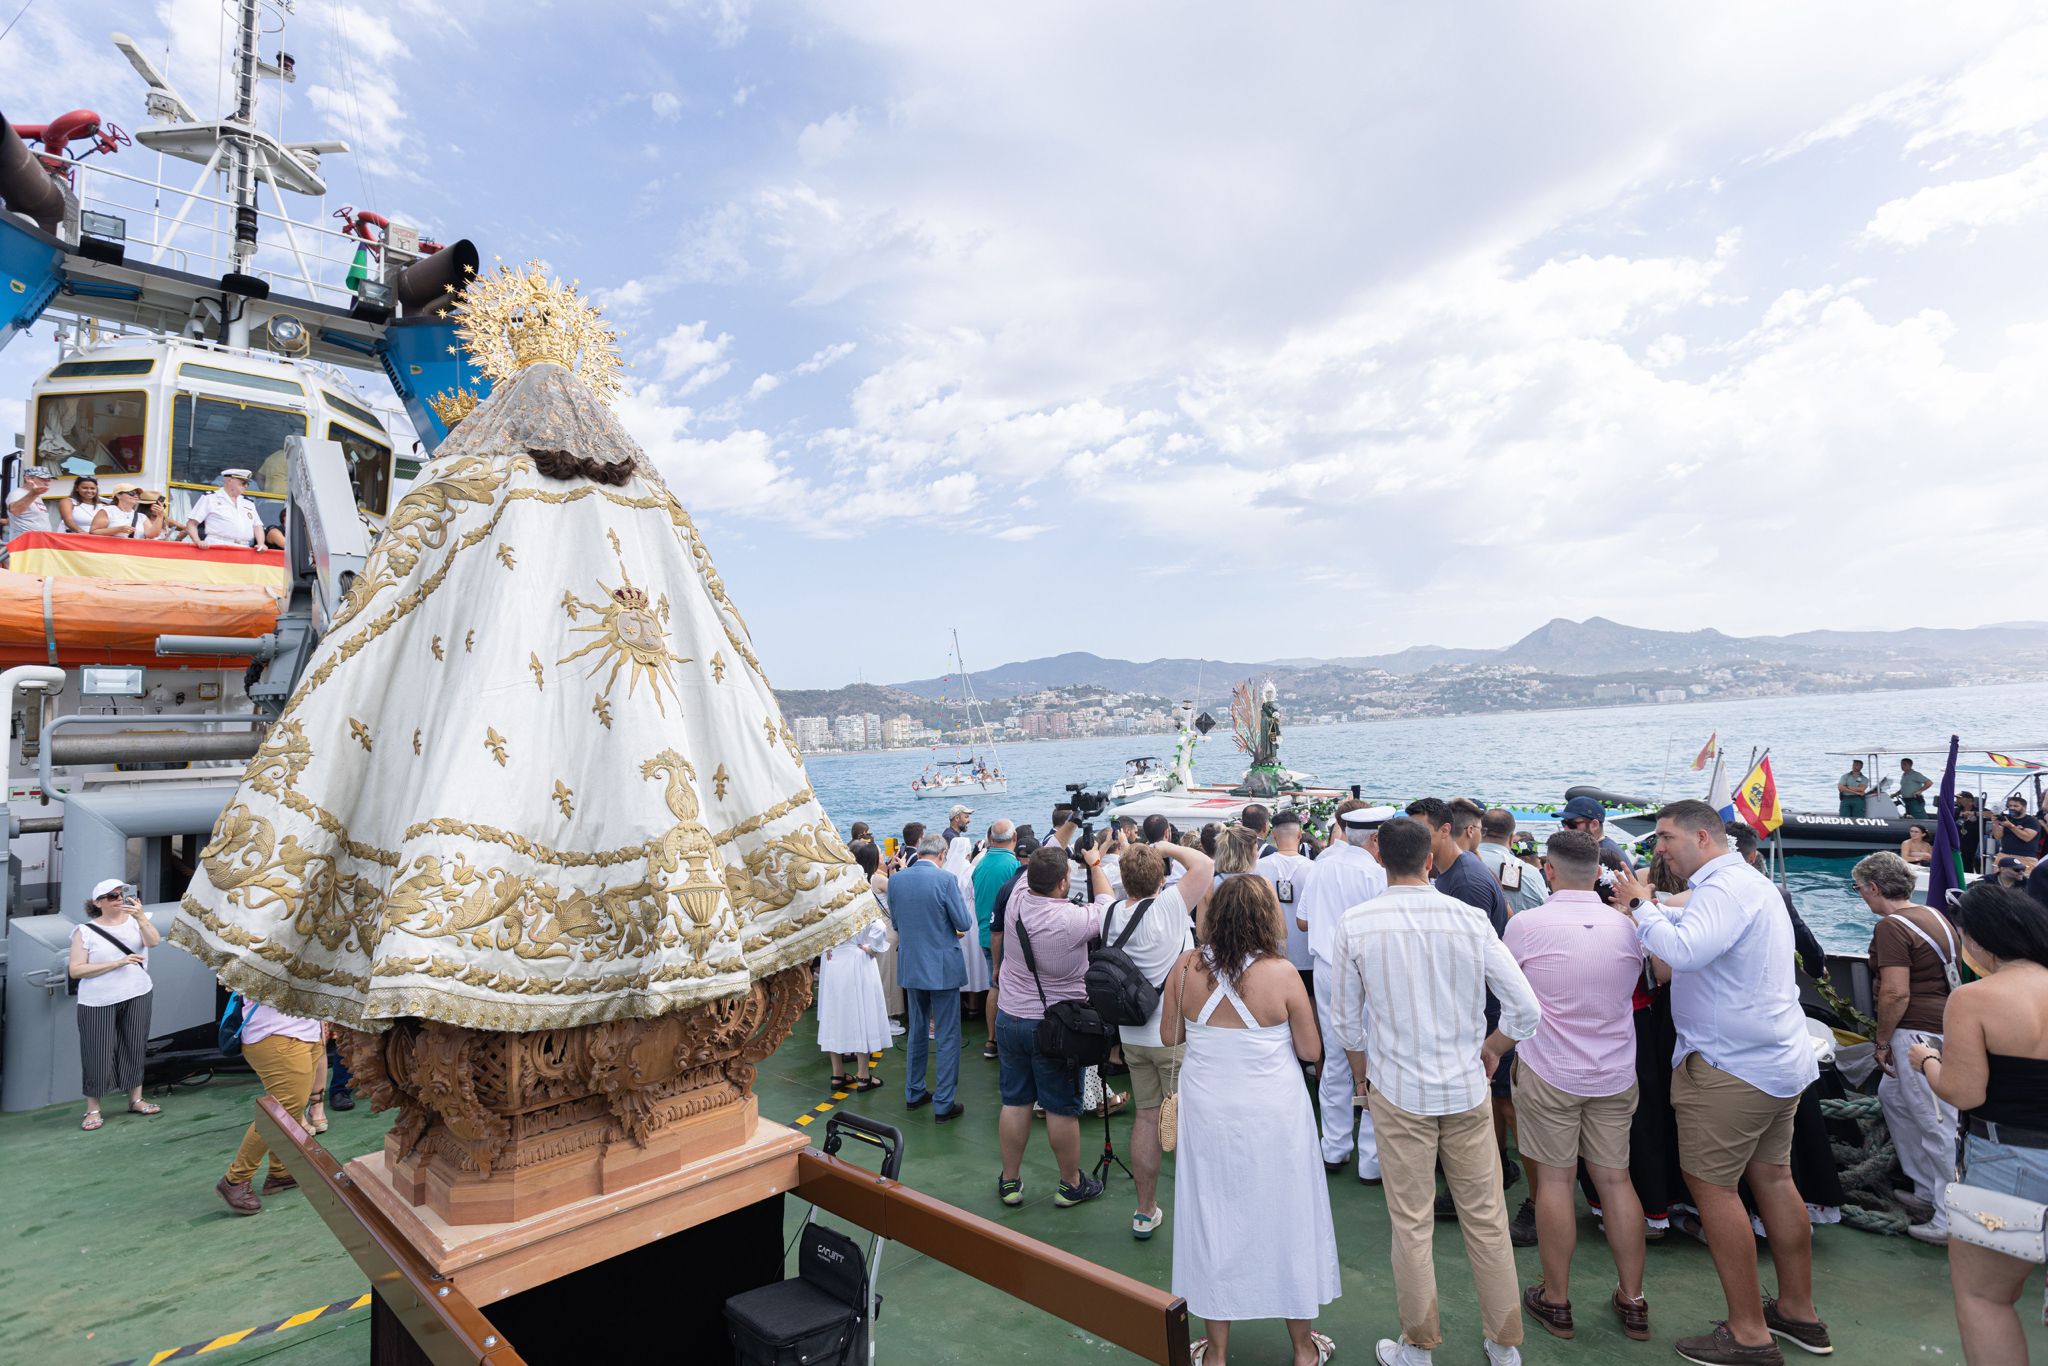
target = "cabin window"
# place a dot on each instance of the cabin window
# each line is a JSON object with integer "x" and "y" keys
{"x": 94, "y": 369}
{"x": 220, "y": 375}
{"x": 209, "y": 435}
{"x": 354, "y": 410}
{"x": 104, "y": 430}
{"x": 369, "y": 467}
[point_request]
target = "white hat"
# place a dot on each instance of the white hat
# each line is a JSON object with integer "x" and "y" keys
{"x": 959, "y": 810}
{"x": 240, "y": 474}
{"x": 36, "y": 472}
{"x": 1367, "y": 817}
{"x": 108, "y": 888}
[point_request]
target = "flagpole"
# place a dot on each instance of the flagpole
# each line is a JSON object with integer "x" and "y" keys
{"x": 1665, "y": 777}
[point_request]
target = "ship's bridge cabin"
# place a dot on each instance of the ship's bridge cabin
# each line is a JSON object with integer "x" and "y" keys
{"x": 170, "y": 413}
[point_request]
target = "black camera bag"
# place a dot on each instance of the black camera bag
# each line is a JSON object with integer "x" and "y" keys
{"x": 1072, "y": 1031}
{"x": 1116, "y": 988}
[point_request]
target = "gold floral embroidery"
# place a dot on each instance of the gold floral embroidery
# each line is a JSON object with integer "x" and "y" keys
{"x": 415, "y": 740}
{"x": 718, "y": 667}
{"x": 789, "y": 743}
{"x": 719, "y": 780}
{"x": 540, "y": 677}
{"x": 602, "y": 710}
{"x": 495, "y": 743}
{"x": 569, "y": 603}
{"x": 436, "y": 647}
{"x": 469, "y": 643}
{"x": 360, "y": 732}
{"x": 768, "y": 725}
{"x": 505, "y": 557}
{"x": 563, "y": 794}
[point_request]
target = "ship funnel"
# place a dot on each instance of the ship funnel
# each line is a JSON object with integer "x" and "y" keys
{"x": 431, "y": 285}
{"x": 25, "y": 186}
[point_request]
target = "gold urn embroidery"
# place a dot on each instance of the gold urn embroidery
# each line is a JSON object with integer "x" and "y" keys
{"x": 629, "y": 636}
{"x": 495, "y": 743}
{"x": 563, "y": 796}
{"x": 360, "y": 733}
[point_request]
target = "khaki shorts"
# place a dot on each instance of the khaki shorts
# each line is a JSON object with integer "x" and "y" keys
{"x": 1557, "y": 1128}
{"x": 1154, "y": 1072}
{"x": 1724, "y": 1123}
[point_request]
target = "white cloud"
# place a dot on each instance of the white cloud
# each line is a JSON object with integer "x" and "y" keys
{"x": 666, "y": 105}
{"x": 763, "y": 384}
{"x": 1991, "y": 201}
{"x": 690, "y": 358}
{"x": 824, "y": 357}
{"x": 1024, "y": 532}
{"x": 820, "y": 142}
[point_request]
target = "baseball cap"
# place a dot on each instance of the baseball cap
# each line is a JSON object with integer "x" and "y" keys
{"x": 1583, "y": 809}
{"x": 959, "y": 810}
{"x": 36, "y": 472}
{"x": 107, "y": 888}
{"x": 240, "y": 474}
{"x": 2009, "y": 862}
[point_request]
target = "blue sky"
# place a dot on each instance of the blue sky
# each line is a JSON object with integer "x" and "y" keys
{"x": 1239, "y": 331}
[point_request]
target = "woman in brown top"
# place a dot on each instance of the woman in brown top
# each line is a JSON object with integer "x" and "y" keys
{"x": 1912, "y": 967}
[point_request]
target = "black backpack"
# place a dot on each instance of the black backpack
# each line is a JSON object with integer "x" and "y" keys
{"x": 1071, "y": 1031}
{"x": 1116, "y": 988}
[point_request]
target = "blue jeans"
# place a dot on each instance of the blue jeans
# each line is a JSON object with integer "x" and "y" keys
{"x": 925, "y": 1007}
{"x": 2009, "y": 1171}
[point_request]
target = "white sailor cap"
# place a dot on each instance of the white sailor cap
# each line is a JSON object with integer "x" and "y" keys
{"x": 1367, "y": 817}
{"x": 240, "y": 474}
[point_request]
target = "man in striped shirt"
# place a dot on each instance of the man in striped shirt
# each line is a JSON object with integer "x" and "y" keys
{"x": 1413, "y": 968}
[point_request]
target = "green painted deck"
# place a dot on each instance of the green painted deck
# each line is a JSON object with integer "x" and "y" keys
{"x": 120, "y": 1250}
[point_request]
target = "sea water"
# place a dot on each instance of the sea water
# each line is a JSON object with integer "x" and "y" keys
{"x": 1519, "y": 757}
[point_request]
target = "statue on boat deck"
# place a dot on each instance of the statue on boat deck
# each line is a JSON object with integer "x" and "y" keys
{"x": 532, "y": 826}
{"x": 1258, "y": 734}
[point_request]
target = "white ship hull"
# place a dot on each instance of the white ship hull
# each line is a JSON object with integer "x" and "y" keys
{"x": 952, "y": 789}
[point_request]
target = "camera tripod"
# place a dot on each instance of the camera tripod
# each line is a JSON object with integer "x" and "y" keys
{"x": 1109, "y": 1157}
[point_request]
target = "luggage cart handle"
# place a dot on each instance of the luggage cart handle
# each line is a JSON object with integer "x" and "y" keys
{"x": 889, "y": 1139}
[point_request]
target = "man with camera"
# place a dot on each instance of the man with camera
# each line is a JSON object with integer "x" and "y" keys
{"x": 1162, "y": 933}
{"x": 2019, "y": 834}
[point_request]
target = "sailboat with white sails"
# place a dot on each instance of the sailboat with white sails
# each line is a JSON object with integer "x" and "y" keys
{"x": 979, "y": 769}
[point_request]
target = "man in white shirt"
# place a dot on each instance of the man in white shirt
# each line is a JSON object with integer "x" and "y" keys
{"x": 1346, "y": 875}
{"x": 1287, "y": 869}
{"x": 1163, "y": 933}
{"x": 1413, "y": 968}
{"x": 226, "y": 517}
{"x": 1742, "y": 1060}
{"x": 26, "y": 510}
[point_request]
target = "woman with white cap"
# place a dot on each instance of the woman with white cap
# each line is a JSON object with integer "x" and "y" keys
{"x": 110, "y": 962}
{"x": 226, "y": 516}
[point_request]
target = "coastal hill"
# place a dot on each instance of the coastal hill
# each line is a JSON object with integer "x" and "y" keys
{"x": 1593, "y": 647}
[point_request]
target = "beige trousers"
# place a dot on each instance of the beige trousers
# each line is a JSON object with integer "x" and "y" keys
{"x": 1410, "y": 1148}
{"x": 285, "y": 1067}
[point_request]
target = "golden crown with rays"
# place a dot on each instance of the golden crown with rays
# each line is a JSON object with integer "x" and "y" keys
{"x": 514, "y": 317}
{"x": 453, "y": 405}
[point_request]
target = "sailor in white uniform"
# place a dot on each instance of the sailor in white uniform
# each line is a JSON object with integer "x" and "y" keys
{"x": 226, "y": 517}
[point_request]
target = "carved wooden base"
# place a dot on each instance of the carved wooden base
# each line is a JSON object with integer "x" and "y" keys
{"x": 501, "y": 1126}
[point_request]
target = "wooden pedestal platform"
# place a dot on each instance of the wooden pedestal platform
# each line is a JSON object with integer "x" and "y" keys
{"x": 491, "y": 1262}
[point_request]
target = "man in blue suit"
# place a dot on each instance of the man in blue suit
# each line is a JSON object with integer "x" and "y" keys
{"x": 931, "y": 915}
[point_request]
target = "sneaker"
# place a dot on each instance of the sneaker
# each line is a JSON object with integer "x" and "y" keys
{"x": 1634, "y": 1315}
{"x": 240, "y": 1198}
{"x": 1010, "y": 1193}
{"x": 1556, "y": 1319}
{"x": 1144, "y": 1225}
{"x": 1921, "y": 1210}
{"x": 1808, "y": 1337}
{"x": 1928, "y": 1233}
{"x": 1066, "y": 1197}
{"x": 1446, "y": 1208}
{"x": 1510, "y": 1171}
{"x": 1522, "y": 1230}
{"x": 1719, "y": 1348}
{"x": 1391, "y": 1353}
{"x": 1497, "y": 1355}
{"x": 990, "y": 1051}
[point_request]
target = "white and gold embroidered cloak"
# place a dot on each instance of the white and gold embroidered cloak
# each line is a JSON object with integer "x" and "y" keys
{"x": 534, "y": 776}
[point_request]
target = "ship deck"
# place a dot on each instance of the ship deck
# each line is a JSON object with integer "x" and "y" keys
{"x": 121, "y": 1251}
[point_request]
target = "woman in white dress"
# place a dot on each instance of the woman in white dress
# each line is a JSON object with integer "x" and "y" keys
{"x": 1250, "y": 1196}
{"x": 852, "y": 1016}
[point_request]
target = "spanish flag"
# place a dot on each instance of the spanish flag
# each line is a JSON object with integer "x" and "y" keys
{"x": 2007, "y": 761}
{"x": 1756, "y": 800}
{"x": 1707, "y": 753}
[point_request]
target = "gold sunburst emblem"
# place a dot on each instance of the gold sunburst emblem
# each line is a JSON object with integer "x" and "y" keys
{"x": 517, "y": 316}
{"x": 630, "y": 636}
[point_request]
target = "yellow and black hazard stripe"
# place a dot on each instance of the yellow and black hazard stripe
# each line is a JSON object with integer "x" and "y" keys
{"x": 247, "y": 1334}
{"x": 826, "y": 1107}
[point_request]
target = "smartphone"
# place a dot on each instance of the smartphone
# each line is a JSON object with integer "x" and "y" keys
{"x": 890, "y": 844}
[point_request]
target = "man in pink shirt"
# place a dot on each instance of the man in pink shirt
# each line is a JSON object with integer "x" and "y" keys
{"x": 1575, "y": 1078}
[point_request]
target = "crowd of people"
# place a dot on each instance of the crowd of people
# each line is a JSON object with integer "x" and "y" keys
{"x": 225, "y": 516}
{"x": 1424, "y": 1002}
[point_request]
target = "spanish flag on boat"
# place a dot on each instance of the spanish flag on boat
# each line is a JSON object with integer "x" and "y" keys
{"x": 1707, "y": 752}
{"x": 2007, "y": 761}
{"x": 1756, "y": 800}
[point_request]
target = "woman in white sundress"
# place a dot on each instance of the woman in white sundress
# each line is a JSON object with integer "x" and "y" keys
{"x": 853, "y": 1018}
{"x": 1249, "y": 1193}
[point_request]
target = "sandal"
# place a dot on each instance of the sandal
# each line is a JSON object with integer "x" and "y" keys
{"x": 867, "y": 1083}
{"x": 1325, "y": 1346}
{"x": 840, "y": 1083}
{"x": 1198, "y": 1349}
{"x": 143, "y": 1107}
{"x": 93, "y": 1120}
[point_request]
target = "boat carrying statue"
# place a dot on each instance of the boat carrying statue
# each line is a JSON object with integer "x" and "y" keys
{"x": 532, "y": 827}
